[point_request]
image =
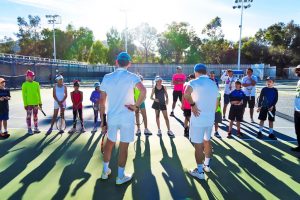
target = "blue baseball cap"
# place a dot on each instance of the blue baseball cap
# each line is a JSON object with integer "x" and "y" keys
{"x": 124, "y": 56}
{"x": 199, "y": 67}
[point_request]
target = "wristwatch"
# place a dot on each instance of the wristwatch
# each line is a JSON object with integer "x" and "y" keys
{"x": 192, "y": 104}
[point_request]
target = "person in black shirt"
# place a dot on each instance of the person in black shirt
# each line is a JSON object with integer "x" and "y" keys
{"x": 266, "y": 107}
{"x": 236, "y": 112}
{"x": 4, "y": 108}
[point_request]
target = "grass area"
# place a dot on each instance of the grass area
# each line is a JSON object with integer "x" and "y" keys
{"x": 69, "y": 167}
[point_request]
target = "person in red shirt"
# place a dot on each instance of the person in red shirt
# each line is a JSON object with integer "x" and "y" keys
{"x": 77, "y": 98}
{"x": 178, "y": 81}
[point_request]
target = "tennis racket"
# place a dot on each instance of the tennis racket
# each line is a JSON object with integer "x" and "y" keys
{"x": 41, "y": 109}
{"x": 265, "y": 105}
{"x": 138, "y": 120}
{"x": 104, "y": 134}
{"x": 61, "y": 123}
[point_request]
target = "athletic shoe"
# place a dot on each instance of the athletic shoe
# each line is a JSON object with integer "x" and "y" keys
{"x": 4, "y": 135}
{"x": 240, "y": 135}
{"x": 124, "y": 179}
{"x": 73, "y": 130}
{"x": 217, "y": 135}
{"x": 30, "y": 131}
{"x": 252, "y": 121}
{"x": 61, "y": 132}
{"x": 94, "y": 129}
{"x": 224, "y": 118}
{"x": 170, "y": 134}
{"x": 229, "y": 135}
{"x": 49, "y": 131}
{"x": 159, "y": 132}
{"x": 186, "y": 132}
{"x": 195, "y": 173}
{"x": 296, "y": 149}
{"x": 172, "y": 114}
{"x": 105, "y": 175}
{"x": 259, "y": 135}
{"x": 206, "y": 168}
{"x": 147, "y": 132}
{"x": 36, "y": 130}
{"x": 272, "y": 136}
{"x": 138, "y": 132}
{"x": 82, "y": 130}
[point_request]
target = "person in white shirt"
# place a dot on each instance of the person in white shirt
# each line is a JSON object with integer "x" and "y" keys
{"x": 202, "y": 94}
{"x": 249, "y": 83}
{"x": 229, "y": 80}
{"x": 117, "y": 98}
{"x": 297, "y": 111}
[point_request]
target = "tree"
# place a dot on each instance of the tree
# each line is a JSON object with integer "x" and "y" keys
{"x": 7, "y": 45}
{"x": 114, "y": 42}
{"x": 98, "y": 53}
{"x": 146, "y": 36}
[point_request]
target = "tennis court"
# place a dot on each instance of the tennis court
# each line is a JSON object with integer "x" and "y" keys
{"x": 69, "y": 166}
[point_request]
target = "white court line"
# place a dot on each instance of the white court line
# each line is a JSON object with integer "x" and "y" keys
{"x": 67, "y": 119}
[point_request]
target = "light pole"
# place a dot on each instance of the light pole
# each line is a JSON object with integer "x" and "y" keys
{"x": 54, "y": 19}
{"x": 241, "y": 4}
{"x": 126, "y": 28}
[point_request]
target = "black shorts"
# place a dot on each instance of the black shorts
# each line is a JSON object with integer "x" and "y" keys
{"x": 236, "y": 113}
{"x": 187, "y": 112}
{"x": 249, "y": 101}
{"x": 176, "y": 95}
{"x": 264, "y": 113}
{"x": 158, "y": 106}
{"x": 226, "y": 99}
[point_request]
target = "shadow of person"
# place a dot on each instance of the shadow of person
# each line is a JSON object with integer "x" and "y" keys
{"x": 44, "y": 168}
{"x": 9, "y": 144}
{"x": 175, "y": 176}
{"x": 143, "y": 176}
{"x": 179, "y": 120}
{"x": 75, "y": 171}
{"x": 22, "y": 160}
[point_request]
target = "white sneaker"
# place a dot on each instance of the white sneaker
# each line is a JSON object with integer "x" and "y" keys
{"x": 171, "y": 134}
{"x": 147, "y": 132}
{"x": 105, "y": 175}
{"x": 123, "y": 180}
{"x": 206, "y": 168}
{"x": 138, "y": 132}
{"x": 159, "y": 132}
{"x": 195, "y": 173}
{"x": 73, "y": 130}
{"x": 36, "y": 130}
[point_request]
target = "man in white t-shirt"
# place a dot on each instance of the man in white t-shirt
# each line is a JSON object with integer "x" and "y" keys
{"x": 202, "y": 94}
{"x": 297, "y": 111}
{"x": 229, "y": 80}
{"x": 249, "y": 83}
{"x": 118, "y": 98}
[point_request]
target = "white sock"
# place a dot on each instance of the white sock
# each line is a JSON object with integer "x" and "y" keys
{"x": 200, "y": 168}
{"x": 105, "y": 166}
{"x": 121, "y": 172}
{"x": 260, "y": 129}
{"x": 0, "y": 131}
{"x": 206, "y": 161}
{"x": 270, "y": 131}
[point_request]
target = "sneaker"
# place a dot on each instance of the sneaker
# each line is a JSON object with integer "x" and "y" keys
{"x": 94, "y": 129}
{"x": 147, "y": 132}
{"x": 29, "y": 132}
{"x": 217, "y": 135}
{"x": 124, "y": 179}
{"x": 36, "y": 130}
{"x": 105, "y": 175}
{"x": 170, "y": 134}
{"x": 159, "y": 132}
{"x": 229, "y": 135}
{"x": 61, "y": 132}
{"x": 272, "y": 136}
{"x": 49, "y": 131}
{"x": 4, "y": 135}
{"x": 195, "y": 173}
{"x": 172, "y": 114}
{"x": 206, "y": 168}
{"x": 138, "y": 132}
{"x": 73, "y": 130}
{"x": 82, "y": 130}
{"x": 296, "y": 149}
{"x": 186, "y": 132}
{"x": 252, "y": 121}
{"x": 224, "y": 118}
{"x": 259, "y": 135}
{"x": 239, "y": 134}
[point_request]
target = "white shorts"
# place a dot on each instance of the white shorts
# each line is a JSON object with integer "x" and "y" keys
{"x": 126, "y": 132}
{"x": 198, "y": 134}
{"x": 56, "y": 106}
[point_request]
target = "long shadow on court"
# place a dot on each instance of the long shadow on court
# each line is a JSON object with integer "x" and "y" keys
{"x": 179, "y": 120}
{"x": 238, "y": 186}
{"x": 44, "y": 168}
{"x": 107, "y": 189}
{"x": 10, "y": 143}
{"x": 143, "y": 176}
{"x": 75, "y": 171}
{"x": 175, "y": 176}
{"x": 22, "y": 160}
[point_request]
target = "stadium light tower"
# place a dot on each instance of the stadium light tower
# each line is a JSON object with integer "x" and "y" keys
{"x": 241, "y": 4}
{"x": 54, "y": 19}
{"x": 126, "y": 28}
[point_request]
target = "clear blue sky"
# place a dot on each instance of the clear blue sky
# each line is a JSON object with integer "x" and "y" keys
{"x": 100, "y": 15}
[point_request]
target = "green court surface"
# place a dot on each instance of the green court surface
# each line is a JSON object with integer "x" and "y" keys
{"x": 69, "y": 167}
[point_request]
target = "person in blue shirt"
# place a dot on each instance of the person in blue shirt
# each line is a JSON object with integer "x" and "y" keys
{"x": 213, "y": 78}
{"x": 236, "y": 112}
{"x": 266, "y": 107}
